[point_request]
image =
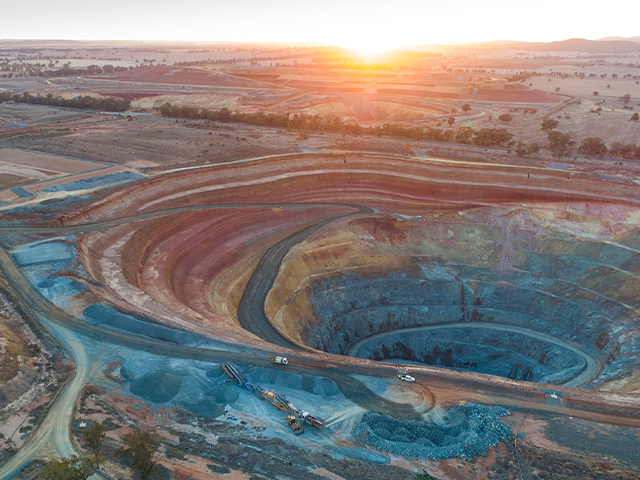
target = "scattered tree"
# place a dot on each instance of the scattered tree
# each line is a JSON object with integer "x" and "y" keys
{"x": 549, "y": 124}
{"x": 451, "y": 121}
{"x": 625, "y": 98}
{"x": 560, "y": 144}
{"x": 595, "y": 93}
{"x": 94, "y": 435}
{"x": 625, "y": 150}
{"x": 593, "y": 146}
{"x": 527, "y": 149}
{"x": 464, "y": 134}
{"x": 142, "y": 446}
{"x": 489, "y": 137}
{"x": 505, "y": 117}
{"x": 466, "y": 107}
{"x": 635, "y": 117}
{"x": 534, "y": 148}
{"x": 72, "y": 468}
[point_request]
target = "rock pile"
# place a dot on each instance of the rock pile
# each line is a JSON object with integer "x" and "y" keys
{"x": 468, "y": 432}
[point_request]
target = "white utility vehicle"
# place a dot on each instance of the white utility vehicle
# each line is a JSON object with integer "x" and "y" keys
{"x": 404, "y": 375}
{"x": 280, "y": 360}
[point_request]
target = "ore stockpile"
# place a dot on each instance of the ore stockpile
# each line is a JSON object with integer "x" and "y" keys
{"x": 466, "y": 431}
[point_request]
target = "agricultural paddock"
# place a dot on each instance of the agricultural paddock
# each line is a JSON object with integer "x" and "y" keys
{"x": 20, "y": 116}
{"x": 584, "y": 87}
{"x": 41, "y": 166}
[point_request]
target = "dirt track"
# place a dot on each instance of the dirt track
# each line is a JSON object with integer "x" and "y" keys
{"x": 251, "y": 309}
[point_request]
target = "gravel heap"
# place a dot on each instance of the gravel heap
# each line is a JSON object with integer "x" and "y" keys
{"x": 468, "y": 432}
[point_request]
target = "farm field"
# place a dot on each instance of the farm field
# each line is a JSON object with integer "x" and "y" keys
{"x": 39, "y": 166}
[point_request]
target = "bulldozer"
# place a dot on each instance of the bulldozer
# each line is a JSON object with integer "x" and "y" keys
{"x": 292, "y": 421}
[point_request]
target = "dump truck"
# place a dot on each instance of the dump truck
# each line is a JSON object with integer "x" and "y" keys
{"x": 292, "y": 421}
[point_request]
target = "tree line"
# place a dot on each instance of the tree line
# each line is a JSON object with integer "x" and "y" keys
{"x": 42, "y": 70}
{"x": 82, "y": 101}
{"x": 560, "y": 144}
{"x": 332, "y": 123}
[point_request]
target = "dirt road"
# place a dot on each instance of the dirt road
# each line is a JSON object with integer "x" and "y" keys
{"x": 251, "y": 308}
{"x": 53, "y": 435}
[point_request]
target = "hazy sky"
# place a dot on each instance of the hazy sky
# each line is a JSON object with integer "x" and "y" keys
{"x": 370, "y": 24}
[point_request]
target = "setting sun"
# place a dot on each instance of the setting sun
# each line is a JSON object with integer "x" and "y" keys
{"x": 369, "y": 47}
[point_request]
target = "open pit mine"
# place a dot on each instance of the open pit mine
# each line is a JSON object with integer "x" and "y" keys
{"x": 510, "y": 293}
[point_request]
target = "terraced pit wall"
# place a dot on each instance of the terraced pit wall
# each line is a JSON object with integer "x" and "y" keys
{"x": 447, "y": 242}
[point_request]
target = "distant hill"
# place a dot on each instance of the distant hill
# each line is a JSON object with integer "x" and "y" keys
{"x": 589, "y": 46}
{"x": 629, "y": 45}
{"x": 10, "y": 42}
{"x": 629, "y": 39}
{"x": 571, "y": 45}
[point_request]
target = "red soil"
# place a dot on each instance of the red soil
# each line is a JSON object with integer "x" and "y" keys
{"x": 313, "y": 83}
{"x": 141, "y": 75}
{"x": 262, "y": 77}
{"x": 518, "y": 95}
{"x": 167, "y": 75}
{"x": 177, "y": 261}
{"x": 515, "y": 86}
{"x": 129, "y": 95}
{"x": 415, "y": 85}
{"x": 422, "y": 93}
{"x": 387, "y": 182}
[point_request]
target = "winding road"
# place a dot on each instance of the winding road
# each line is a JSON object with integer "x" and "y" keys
{"x": 251, "y": 308}
{"x": 52, "y": 435}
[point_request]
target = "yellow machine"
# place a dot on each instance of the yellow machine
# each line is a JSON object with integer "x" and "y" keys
{"x": 293, "y": 423}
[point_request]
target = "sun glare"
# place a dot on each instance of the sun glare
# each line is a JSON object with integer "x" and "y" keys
{"x": 364, "y": 43}
{"x": 371, "y": 49}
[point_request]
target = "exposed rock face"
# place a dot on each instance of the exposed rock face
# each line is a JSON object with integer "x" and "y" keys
{"x": 495, "y": 352}
{"x": 570, "y": 279}
{"x": 447, "y": 243}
